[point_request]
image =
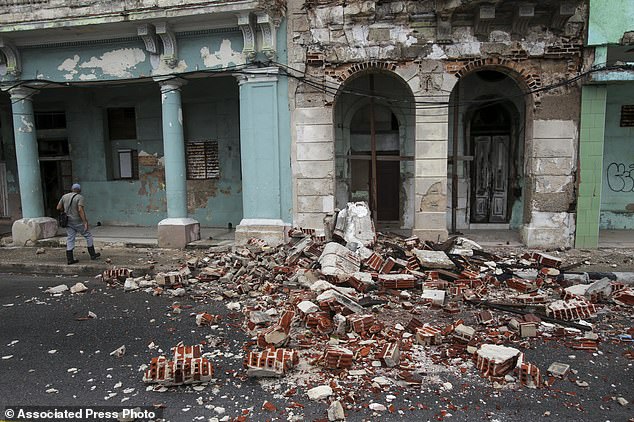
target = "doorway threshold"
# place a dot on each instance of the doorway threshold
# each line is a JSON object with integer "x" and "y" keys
{"x": 489, "y": 226}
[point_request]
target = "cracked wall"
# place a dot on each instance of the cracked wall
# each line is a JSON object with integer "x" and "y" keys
{"x": 430, "y": 45}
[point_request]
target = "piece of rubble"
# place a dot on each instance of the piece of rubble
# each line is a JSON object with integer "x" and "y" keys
{"x": 204, "y": 318}
{"x": 436, "y": 297}
{"x": 116, "y": 274}
{"x": 270, "y": 362}
{"x": 78, "y": 288}
{"x": 336, "y": 357}
{"x": 57, "y": 289}
{"x": 354, "y": 224}
{"x": 338, "y": 260}
{"x": 463, "y": 333}
{"x": 168, "y": 279}
{"x": 335, "y": 411}
{"x": 428, "y": 335}
{"x": 130, "y": 284}
{"x": 558, "y": 369}
{"x": 119, "y": 352}
{"x": 495, "y": 361}
{"x": 390, "y": 354}
{"x": 622, "y": 401}
{"x": 433, "y": 259}
{"x": 186, "y": 367}
{"x": 624, "y": 297}
{"x": 319, "y": 393}
{"x": 570, "y": 310}
{"x": 277, "y": 335}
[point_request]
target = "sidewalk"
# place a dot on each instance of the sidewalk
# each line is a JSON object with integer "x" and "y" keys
{"x": 135, "y": 248}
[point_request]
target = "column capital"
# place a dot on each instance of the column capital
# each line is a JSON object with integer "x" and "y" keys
{"x": 170, "y": 83}
{"x": 260, "y": 74}
{"x": 21, "y": 93}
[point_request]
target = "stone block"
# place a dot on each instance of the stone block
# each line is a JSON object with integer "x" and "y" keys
{"x": 273, "y": 232}
{"x": 176, "y": 233}
{"x": 553, "y": 148}
{"x": 33, "y": 229}
{"x": 310, "y": 220}
{"x": 432, "y": 131}
{"x": 315, "y": 169}
{"x": 552, "y": 184}
{"x": 436, "y": 167}
{"x": 553, "y": 166}
{"x": 315, "y": 187}
{"x": 315, "y": 151}
{"x": 431, "y": 149}
{"x": 313, "y": 116}
{"x": 314, "y": 133}
{"x": 554, "y": 129}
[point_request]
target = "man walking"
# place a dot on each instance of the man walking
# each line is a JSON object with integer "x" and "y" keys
{"x": 73, "y": 204}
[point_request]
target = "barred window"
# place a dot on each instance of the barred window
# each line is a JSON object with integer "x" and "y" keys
{"x": 202, "y": 160}
{"x": 627, "y": 115}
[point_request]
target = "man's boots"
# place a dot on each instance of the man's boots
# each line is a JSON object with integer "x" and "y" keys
{"x": 93, "y": 255}
{"x": 70, "y": 259}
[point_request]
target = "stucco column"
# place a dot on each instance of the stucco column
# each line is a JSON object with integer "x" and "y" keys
{"x": 260, "y": 157}
{"x": 26, "y": 152}
{"x": 33, "y": 225}
{"x": 177, "y": 230}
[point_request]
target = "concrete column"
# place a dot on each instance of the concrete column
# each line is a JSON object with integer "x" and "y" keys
{"x": 177, "y": 230}
{"x": 33, "y": 225}
{"x": 26, "y": 152}
{"x": 260, "y": 156}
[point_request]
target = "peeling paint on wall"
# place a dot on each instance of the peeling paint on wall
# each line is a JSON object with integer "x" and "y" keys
{"x": 27, "y": 125}
{"x": 164, "y": 69}
{"x": 225, "y": 56}
{"x": 117, "y": 62}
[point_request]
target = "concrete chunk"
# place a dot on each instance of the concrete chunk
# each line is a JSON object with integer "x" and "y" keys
{"x": 433, "y": 259}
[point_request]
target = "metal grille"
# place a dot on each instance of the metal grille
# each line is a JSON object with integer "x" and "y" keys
{"x": 202, "y": 160}
{"x": 627, "y": 116}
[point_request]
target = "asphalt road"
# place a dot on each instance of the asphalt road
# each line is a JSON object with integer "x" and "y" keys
{"x": 83, "y": 373}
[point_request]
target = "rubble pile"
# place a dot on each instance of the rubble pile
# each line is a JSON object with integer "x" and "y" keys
{"x": 357, "y": 308}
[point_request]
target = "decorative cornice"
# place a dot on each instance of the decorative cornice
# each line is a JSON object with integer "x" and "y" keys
{"x": 522, "y": 17}
{"x": 484, "y": 15}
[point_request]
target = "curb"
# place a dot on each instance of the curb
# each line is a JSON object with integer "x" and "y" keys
{"x": 64, "y": 269}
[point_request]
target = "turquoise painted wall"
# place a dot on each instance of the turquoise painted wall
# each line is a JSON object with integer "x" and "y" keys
{"x": 617, "y": 193}
{"x": 608, "y": 20}
{"x": 127, "y": 58}
{"x": 210, "y": 112}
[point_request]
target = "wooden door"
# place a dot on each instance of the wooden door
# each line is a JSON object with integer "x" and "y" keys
{"x": 388, "y": 175}
{"x": 490, "y": 179}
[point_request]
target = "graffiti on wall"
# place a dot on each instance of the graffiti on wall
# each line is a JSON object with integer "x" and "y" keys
{"x": 620, "y": 177}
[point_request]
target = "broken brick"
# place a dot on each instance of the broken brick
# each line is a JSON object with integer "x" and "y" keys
{"x": 271, "y": 362}
{"x": 336, "y": 357}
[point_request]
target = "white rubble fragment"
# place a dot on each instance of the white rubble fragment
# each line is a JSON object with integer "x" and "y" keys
{"x": 336, "y": 259}
{"x": 319, "y": 393}
{"x": 52, "y": 390}
{"x": 437, "y": 297}
{"x": 233, "y": 306}
{"x": 92, "y": 315}
{"x": 7, "y": 357}
{"x": 78, "y": 288}
{"x": 335, "y": 411}
{"x": 377, "y": 407}
{"x": 52, "y": 351}
{"x": 354, "y": 224}
{"x": 307, "y": 307}
{"x": 130, "y": 284}
{"x": 382, "y": 381}
{"x": 118, "y": 352}
{"x": 57, "y": 289}
{"x": 433, "y": 259}
{"x": 622, "y": 401}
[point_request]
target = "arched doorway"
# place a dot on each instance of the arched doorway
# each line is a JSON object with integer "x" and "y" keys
{"x": 486, "y": 190}
{"x": 490, "y": 137}
{"x": 374, "y": 146}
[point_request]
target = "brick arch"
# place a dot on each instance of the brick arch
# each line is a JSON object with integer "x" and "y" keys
{"x": 528, "y": 77}
{"x": 343, "y": 72}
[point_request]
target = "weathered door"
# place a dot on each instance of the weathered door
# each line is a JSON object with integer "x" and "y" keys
{"x": 490, "y": 179}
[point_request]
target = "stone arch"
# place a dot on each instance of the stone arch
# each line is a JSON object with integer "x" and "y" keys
{"x": 521, "y": 106}
{"x": 523, "y": 74}
{"x": 393, "y": 97}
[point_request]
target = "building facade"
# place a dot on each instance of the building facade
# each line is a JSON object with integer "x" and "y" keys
{"x": 169, "y": 113}
{"x": 606, "y": 182}
{"x": 444, "y": 115}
